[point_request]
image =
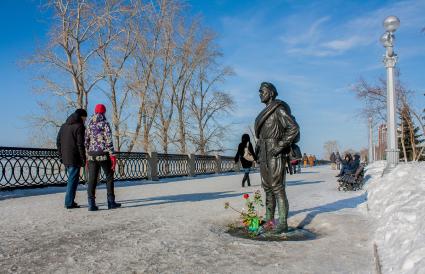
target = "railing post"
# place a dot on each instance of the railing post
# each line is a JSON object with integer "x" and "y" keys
{"x": 191, "y": 165}
{"x": 153, "y": 166}
{"x": 217, "y": 164}
{"x": 237, "y": 166}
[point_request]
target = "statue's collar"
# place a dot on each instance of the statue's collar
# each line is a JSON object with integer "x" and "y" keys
{"x": 265, "y": 113}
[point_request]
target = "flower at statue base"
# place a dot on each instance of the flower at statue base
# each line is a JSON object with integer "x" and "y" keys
{"x": 251, "y": 218}
{"x": 270, "y": 225}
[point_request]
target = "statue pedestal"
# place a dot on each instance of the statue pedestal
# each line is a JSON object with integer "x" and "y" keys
{"x": 293, "y": 234}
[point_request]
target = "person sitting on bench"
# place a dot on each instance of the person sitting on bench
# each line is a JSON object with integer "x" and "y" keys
{"x": 350, "y": 166}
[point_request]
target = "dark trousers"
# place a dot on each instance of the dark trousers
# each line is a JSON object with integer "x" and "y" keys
{"x": 94, "y": 169}
{"x": 72, "y": 184}
{"x": 273, "y": 180}
{"x": 246, "y": 177}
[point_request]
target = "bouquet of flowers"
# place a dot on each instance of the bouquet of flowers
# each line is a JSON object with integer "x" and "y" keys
{"x": 251, "y": 218}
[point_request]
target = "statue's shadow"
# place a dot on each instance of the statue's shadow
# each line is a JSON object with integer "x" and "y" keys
{"x": 302, "y": 182}
{"x": 326, "y": 208}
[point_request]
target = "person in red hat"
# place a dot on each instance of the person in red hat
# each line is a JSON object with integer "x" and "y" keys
{"x": 100, "y": 150}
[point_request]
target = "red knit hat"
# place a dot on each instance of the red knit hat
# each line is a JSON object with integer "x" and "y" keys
{"x": 100, "y": 108}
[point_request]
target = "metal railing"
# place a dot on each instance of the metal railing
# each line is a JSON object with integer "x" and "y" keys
{"x": 37, "y": 167}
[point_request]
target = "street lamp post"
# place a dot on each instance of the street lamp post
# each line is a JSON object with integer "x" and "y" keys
{"x": 370, "y": 155}
{"x": 391, "y": 23}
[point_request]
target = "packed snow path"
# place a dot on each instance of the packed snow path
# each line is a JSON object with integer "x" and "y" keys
{"x": 178, "y": 226}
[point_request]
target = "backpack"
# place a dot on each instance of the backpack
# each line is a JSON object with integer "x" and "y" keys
{"x": 295, "y": 152}
{"x": 247, "y": 155}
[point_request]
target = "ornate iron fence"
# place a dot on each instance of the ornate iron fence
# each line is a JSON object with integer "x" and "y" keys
{"x": 37, "y": 167}
{"x": 227, "y": 164}
{"x": 205, "y": 164}
{"x": 172, "y": 165}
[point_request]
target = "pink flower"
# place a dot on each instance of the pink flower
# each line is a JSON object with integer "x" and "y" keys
{"x": 246, "y": 196}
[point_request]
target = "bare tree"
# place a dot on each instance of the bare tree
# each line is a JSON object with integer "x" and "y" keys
{"x": 156, "y": 64}
{"x": 68, "y": 72}
{"x": 329, "y": 147}
{"x": 375, "y": 101}
{"x": 116, "y": 44}
{"x": 374, "y": 97}
{"x": 206, "y": 105}
{"x": 71, "y": 47}
{"x": 190, "y": 52}
{"x": 162, "y": 74}
{"x": 148, "y": 28}
{"x": 411, "y": 132}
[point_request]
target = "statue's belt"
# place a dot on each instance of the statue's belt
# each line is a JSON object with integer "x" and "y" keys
{"x": 278, "y": 142}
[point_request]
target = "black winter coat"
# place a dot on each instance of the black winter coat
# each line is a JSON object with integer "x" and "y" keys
{"x": 241, "y": 151}
{"x": 70, "y": 142}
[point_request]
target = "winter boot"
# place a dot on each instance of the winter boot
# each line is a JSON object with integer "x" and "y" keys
{"x": 247, "y": 180}
{"x": 92, "y": 204}
{"x": 270, "y": 207}
{"x": 111, "y": 202}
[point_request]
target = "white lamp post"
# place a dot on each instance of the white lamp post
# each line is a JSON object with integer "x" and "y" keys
{"x": 391, "y": 23}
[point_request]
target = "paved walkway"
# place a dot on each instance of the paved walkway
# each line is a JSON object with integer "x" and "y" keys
{"x": 177, "y": 226}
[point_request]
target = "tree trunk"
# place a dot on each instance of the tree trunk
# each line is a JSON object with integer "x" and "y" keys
{"x": 402, "y": 143}
{"x": 182, "y": 133}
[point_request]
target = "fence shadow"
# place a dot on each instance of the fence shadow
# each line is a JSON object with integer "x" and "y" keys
{"x": 326, "y": 208}
{"x": 37, "y": 190}
{"x": 179, "y": 198}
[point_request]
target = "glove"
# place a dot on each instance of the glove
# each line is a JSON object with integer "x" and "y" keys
{"x": 113, "y": 161}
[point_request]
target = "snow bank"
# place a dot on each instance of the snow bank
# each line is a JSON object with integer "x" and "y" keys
{"x": 397, "y": 202}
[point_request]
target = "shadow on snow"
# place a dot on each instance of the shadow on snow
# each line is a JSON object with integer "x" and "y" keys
{"x": 302, "y": 182}
{"x": 331, "y": 207}
{"x": 19, "y": 193}
{"x": 180, "y": 198}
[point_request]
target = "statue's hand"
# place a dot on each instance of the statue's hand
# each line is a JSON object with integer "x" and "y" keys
{"x": 276, "y": 151}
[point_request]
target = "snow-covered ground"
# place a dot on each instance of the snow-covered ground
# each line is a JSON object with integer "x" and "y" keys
{"x": 178, "y": 226}
{"x": 397, "y": 203}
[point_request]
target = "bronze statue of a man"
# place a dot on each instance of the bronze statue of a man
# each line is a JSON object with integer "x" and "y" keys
{"x": 276, "y": 130}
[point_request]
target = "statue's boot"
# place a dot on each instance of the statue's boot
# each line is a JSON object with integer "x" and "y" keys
{"x": 283, "y": 206}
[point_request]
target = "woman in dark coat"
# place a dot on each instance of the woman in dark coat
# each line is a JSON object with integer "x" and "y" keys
{"x": 247, "y": 156}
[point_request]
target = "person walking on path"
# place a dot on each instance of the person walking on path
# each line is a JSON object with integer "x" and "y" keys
{"x": 332, "y": 158}
{"x": 70, "y": 146}
{"x": 294, "y": 164}
{"x": 100, "y": 149}
{"x": 338, "y": 160}
{"x": 305, "y": 160}
{"x": 310, "y": 160}
{"x": 247, "y": 156}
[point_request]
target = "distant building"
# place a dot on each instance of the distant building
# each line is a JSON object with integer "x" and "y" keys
{"x": 382, "y": 142}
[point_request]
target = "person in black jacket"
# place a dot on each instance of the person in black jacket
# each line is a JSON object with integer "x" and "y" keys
{"x": 247, "y": 156}
{"x": 70, "y": 144}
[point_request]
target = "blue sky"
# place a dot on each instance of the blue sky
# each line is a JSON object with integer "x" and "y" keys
{"x": 313, "y": 51}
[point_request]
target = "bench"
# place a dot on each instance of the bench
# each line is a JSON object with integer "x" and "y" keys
{"x": 353, "y": 181}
